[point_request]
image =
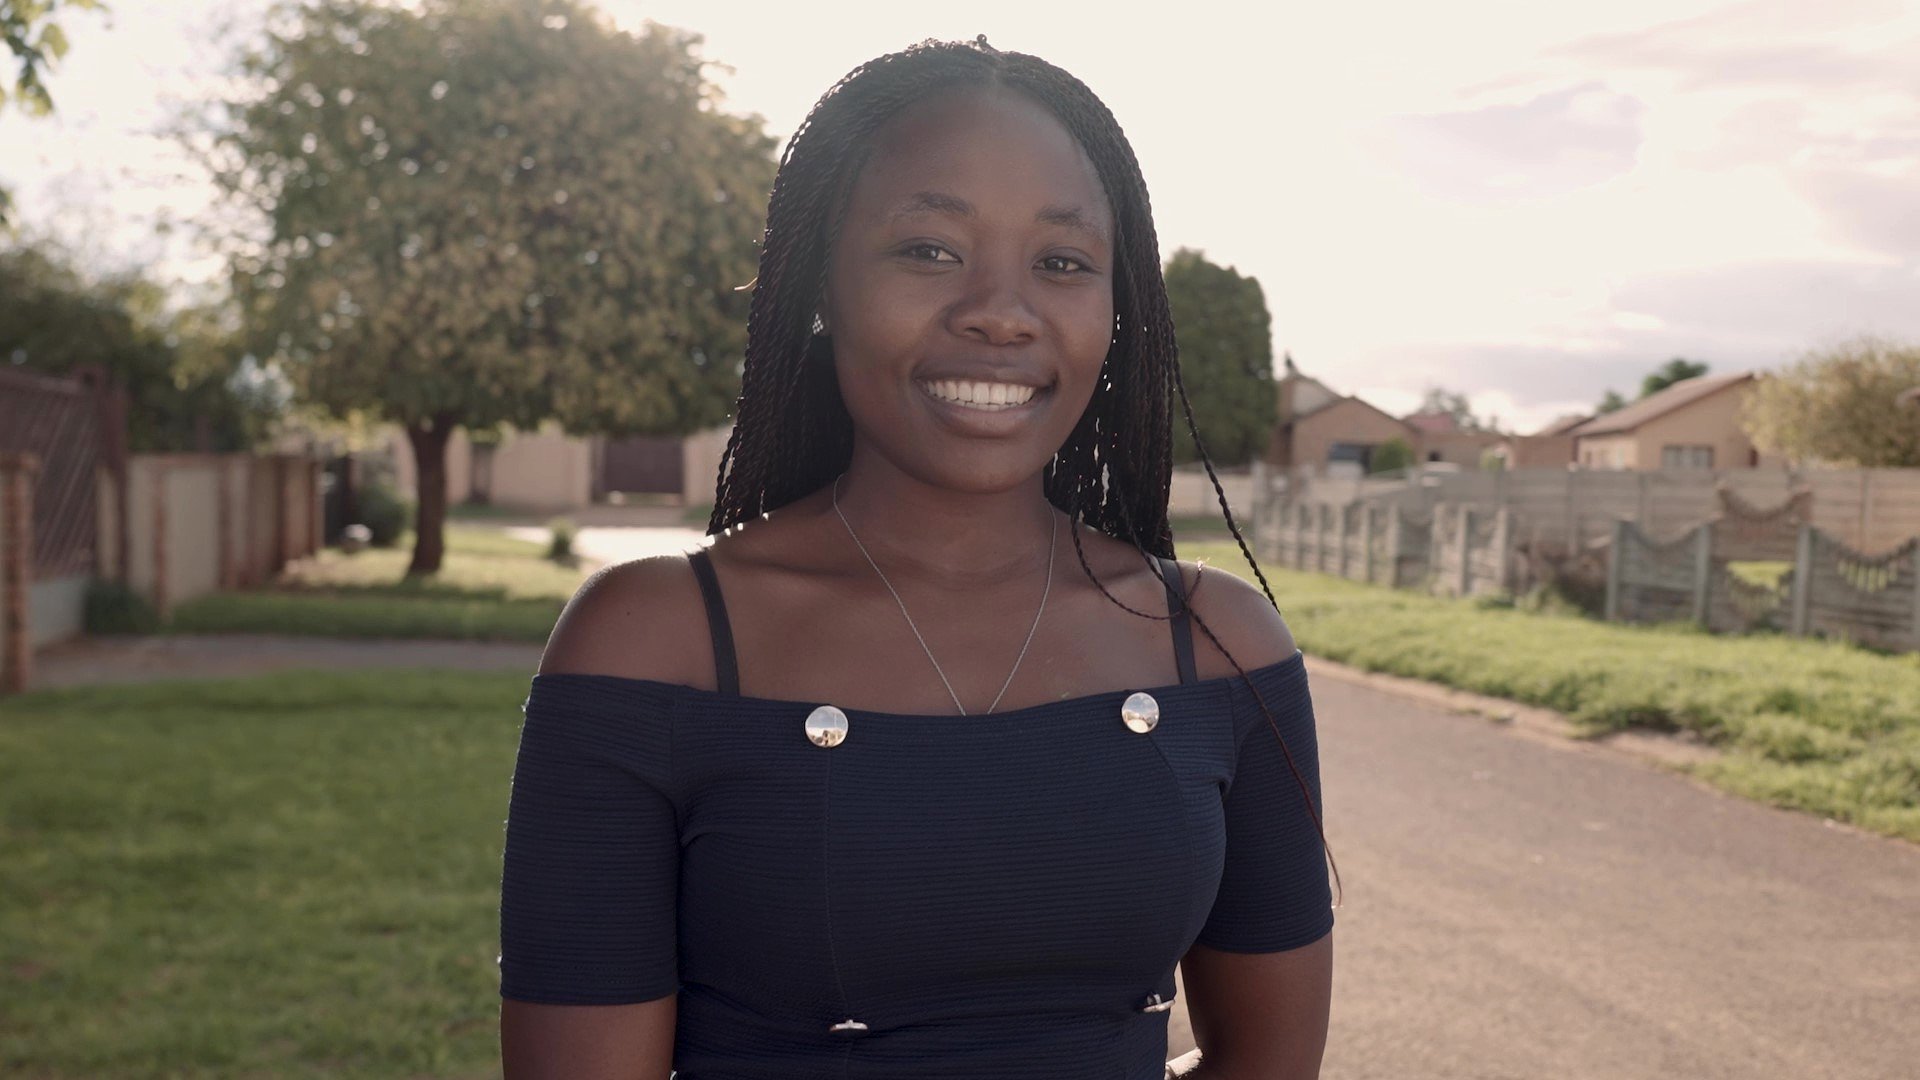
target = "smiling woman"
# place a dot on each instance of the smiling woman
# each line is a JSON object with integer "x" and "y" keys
{"x": 805, "y": 844}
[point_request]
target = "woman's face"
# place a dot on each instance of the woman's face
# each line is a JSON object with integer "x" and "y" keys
{"x": 970, "y": 290}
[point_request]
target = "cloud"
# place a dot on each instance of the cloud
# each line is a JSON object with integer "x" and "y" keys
{"x": 1760, "y": 43}
{"x": 1558, "y": 141}
{"x": 1879, "y": 213}
{"x": 1740, "y": 317}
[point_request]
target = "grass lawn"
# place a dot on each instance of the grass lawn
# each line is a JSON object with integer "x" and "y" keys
{"x": 1816, "y": 725}
{"x": 295, "y": 876}
{"x": 490, "y": 587}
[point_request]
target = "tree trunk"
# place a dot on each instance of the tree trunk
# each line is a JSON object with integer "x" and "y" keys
{"x": 429, "y": 440}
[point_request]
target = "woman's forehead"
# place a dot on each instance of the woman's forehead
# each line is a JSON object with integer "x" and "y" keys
{"x": 989, "y": 152}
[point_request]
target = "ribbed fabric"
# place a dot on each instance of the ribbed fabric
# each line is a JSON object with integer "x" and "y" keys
{"x": 993, "y": 896}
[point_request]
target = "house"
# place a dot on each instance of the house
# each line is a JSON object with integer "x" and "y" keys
{"x": 1318, "y": 427}
{"x": 1549, "y": 448}
{"x": 1439, "y": 437}
{"x": 1693, "y": 424}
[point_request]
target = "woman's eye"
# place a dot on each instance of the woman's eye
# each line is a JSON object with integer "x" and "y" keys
{"x": 1062, "y": 264}
{"x": 929, "y": 253}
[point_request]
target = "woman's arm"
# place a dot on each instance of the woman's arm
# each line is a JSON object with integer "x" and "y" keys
{"x": 1257, "y": 1016}
{"x": 587, "y": 1042}
{"x": 629, "y": 620}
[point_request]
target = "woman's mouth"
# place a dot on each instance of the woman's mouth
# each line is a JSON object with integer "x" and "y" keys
{"x": 975, "y": 394}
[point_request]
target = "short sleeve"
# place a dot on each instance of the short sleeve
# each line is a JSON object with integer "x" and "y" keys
{"x": 590, "y": 880}
{"x": 1273, "y": 892}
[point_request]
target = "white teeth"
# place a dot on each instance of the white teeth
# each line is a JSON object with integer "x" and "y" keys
{"x": 979, "y": 395}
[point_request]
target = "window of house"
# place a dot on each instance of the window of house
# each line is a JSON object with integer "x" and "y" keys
{"x": 1686, "y": 457}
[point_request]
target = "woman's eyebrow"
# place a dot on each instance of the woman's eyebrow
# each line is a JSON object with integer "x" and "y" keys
{"x": 940, "y": 202}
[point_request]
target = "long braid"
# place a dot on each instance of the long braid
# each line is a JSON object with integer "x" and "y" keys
{"x": 1114, "y": 472}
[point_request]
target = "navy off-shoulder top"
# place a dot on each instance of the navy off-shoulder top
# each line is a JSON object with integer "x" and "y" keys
{"x": 934, "y": 897}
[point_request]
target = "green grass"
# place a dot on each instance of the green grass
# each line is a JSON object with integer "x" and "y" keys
{"x": 1816, "y": 725}
{"x": 293, "y": 876}
{"x": 1760, "y": 573}
{"x": 491, "y": 587}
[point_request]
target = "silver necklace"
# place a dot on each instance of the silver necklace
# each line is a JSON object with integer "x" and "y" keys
{"x": 1051, "y": 538}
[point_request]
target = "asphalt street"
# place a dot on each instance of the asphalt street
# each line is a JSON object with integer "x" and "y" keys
{"x": 1525, "y": 908}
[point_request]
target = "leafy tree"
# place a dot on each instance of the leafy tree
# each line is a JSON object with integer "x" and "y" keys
{"x": 1455, "y": 404}
{"x": 1395, "y": 453}
{"x": 1226, "y": 358}
{"x": 37, "y": 43}
{"x": 1840, "y": 405}
{"x": 1678, "y": 369}
{"x": 484, "y": 212}
{"x": 189, "y": 384}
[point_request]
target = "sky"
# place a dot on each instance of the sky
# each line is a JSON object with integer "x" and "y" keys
{"x": 1529, "y": 203}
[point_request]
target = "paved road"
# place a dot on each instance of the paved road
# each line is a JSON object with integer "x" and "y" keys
{"x": 1515, "y": 907}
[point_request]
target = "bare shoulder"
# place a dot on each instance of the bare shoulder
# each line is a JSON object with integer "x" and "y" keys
{"x": 1240, "y": 616}
{"x": 642, "y": 619}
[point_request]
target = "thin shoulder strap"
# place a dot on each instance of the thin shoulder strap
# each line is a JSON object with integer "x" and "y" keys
{"x": 1177, "y": 618}
{"x": 726, "y": 670}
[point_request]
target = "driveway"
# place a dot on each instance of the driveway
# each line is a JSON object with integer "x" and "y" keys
{"x": 616, "y": 544}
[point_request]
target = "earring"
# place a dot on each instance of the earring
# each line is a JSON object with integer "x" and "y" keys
{"x": 819, "y": 325}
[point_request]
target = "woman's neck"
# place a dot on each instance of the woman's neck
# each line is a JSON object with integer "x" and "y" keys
{"x": 944, "y": 537}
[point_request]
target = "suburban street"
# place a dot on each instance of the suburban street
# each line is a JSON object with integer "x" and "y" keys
{"x": 1519, "y": 908}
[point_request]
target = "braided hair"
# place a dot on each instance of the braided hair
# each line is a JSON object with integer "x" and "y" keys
{"x": 792, "y": 434}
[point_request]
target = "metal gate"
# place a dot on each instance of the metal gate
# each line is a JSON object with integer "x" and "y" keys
{"x": 58, "y": 421}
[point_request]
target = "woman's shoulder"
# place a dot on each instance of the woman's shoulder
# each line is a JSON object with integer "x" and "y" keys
{"x": 642, "y": 619}
{"x": 1241, "y": 617}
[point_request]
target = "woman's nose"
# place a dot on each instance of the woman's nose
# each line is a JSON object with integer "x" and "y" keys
{"x": 996, "y": 309}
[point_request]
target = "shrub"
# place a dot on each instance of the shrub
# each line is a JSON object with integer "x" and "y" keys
{"x": 111, "y": 607}
{"x": 1396, "y": 453}
{"x": 560, "y": 544}
{"x": 383, "y": 512}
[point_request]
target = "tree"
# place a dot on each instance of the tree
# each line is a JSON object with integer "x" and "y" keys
{"x": 190, "y": 384}
{"x": 1840, "y": 405}
{"x": 37, "y": 43}
{"x": 1396, "y": 453}
{"x": 1226, "y": 359}
{"x": 484, "y": 212}
{"x": 1454, "y": 404}
{"x": 1678, "y": 369}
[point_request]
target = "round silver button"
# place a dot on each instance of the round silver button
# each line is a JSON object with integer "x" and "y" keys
{"x": 1140, "y": 712}
{"x": 826, "y": 726}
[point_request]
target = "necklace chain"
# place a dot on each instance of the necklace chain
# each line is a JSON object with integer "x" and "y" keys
{"x": 1052, "y": 537}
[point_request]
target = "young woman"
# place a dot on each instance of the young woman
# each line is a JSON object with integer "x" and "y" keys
{"x": 921, "y": 770}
